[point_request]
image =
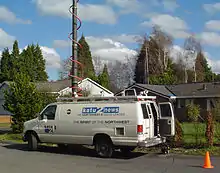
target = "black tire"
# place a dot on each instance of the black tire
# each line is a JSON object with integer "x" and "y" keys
{"x": 32, "y": 142}
{"x": 165, "y": 149}
{"x": 104, "y": 147}
{"x": 126, "y": 150}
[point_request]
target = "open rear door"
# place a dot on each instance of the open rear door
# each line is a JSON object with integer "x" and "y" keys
{"x": 167, "y": 121}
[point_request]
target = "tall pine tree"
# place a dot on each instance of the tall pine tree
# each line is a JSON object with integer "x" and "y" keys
{"x": 85, "y": 57}
{"x": 5, "y": 65}
{"x": 139, "y": 76}
{"x": 203, "y": 71}
{"x": 40, "y": 65}
{"x": 104, "y": 78}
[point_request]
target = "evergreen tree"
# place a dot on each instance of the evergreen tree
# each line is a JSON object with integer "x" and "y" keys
{"x": 27, "y": 62}
{"x": 40, "y": 65}
{"x": 14, "y": 60}
{"x": 203, "y": 71}
{"x": 85, "y": 57}
{"x": 104, "y": 79}
{"x": 5, "y": 65}
{"x": 22, "y": 100}
{"x": 139, "y": 76}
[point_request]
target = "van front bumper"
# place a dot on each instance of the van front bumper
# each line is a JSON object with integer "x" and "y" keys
{"x": 151, "y": 142}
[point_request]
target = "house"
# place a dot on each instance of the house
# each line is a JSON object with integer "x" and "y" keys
{"x": 63, "y": 87}
{"x": 203, "y": 94}
{"x": 59, "y": 87}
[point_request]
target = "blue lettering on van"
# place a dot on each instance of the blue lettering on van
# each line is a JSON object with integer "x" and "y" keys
{"x": 95, "y": 110}
{"x": 111, "y": 110}
{"x": 90, "y": 110}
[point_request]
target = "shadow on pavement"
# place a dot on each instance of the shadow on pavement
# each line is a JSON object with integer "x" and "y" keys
{"x": 74, "y": 150}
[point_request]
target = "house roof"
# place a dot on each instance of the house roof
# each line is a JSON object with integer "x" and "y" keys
{"x": 195, "y": 89}
{"x": 183, "y": 90}
{"x": 56, "y": 86}
{"x": 2, "y": 110}
{"x": 158, "y": 88}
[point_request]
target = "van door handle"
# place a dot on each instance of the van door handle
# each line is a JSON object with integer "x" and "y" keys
{"x": 169, "y": 122}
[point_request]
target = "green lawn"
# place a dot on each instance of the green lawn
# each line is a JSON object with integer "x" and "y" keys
{"x": 190, "y": 131}
{"x": 5, "y": 125}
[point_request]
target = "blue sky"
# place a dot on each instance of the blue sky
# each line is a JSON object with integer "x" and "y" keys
{"x": 108, "y": 25}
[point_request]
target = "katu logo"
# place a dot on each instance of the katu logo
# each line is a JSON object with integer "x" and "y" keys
{"x": 95, "y": 110}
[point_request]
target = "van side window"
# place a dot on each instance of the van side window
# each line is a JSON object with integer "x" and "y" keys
{"x": 165, "y": 110}
{"x": 144, "y": 110}
{"x": 153, "y": 109}
{"x": 149, "y": 111}
{"x": 49, "y": 112}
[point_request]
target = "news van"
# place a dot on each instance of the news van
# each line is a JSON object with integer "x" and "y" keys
{"x": 107, "y": 123}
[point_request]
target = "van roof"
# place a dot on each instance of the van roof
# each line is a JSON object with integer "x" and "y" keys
{"x": 115, "y": 99}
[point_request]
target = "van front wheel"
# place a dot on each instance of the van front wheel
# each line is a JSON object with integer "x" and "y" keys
{"x": 32, "y": 142}
{"x": 104, "y": 148}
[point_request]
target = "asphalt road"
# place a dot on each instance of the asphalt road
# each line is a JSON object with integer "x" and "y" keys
{"x": 15, "y": 158}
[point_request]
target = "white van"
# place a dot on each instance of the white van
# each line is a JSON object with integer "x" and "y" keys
{"x": 108, "y": 123}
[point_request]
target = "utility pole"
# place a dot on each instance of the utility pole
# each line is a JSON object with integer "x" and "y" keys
{"x": 74, "y": 48}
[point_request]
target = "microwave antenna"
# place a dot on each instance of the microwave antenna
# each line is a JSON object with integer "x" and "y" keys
{"x": 74, "y": 74}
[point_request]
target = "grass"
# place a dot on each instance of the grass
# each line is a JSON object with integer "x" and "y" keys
{"x": 11, "y": 137}
{"x": 190, "y": 132}
{"x": 5, "y": 125}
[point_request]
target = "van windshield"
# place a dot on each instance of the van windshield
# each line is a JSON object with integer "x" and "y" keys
{"x": 144, "y": 110}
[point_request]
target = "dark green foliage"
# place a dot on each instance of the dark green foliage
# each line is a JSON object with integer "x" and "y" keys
{"x": 203, "y": 71}
{"x": 40, "y": 73}
{"x": 168, "y": 77}
{"x": 139, "y": 76}
{"x": 22, "y": 100}
{"x": 5, "y": 65}
{"x": 85, "y": 57}
{"x": 103, "y": 78}
{"x": 30, "y": 62}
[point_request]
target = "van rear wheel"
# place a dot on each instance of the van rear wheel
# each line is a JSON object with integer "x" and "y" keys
{"x": 104, "y": 147}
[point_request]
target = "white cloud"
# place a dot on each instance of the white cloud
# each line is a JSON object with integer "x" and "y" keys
{"x": 170, "y": 5}
{"x": 87, "y": 12}
{"x": 109, "y": 49}
{"x": 213, "y": 25}
{"x": 52, "y": 58}
{"x": 127, "y": 6}
{"x": 210, "y": 38}
{"x": 174, "y": 26}
{"x": 6, "y": 40}
{"x": 212, "y": 8}
{"x": 7, "y": 16}
{"x": 105, "y": 47}
{"x": 126, "y": 38}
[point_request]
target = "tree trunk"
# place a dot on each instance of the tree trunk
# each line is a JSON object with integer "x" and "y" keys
{"x": 210, "y": 129}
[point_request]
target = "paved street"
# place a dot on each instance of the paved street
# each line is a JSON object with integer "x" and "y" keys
{"x": 15, "y": 158}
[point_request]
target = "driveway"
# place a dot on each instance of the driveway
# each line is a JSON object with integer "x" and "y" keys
{"x": 15, "y": 158}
